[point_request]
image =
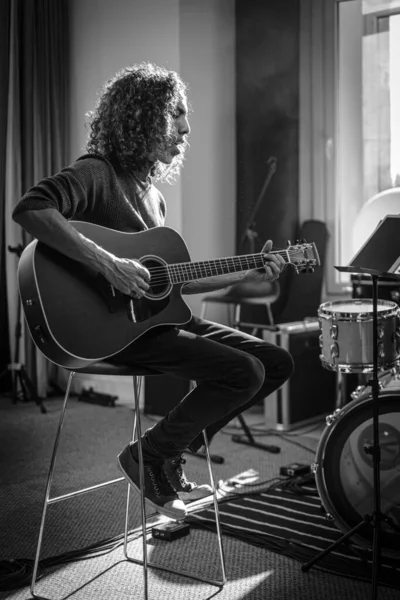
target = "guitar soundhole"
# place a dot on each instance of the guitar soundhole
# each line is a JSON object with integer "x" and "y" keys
{"x": 160, "y": 284}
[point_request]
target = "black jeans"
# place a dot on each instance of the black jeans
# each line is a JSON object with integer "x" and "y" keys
{"x": 232, "y": 369}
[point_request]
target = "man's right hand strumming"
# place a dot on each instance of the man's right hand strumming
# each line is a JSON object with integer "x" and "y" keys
{"x": 127, "y": 275}
{"x": 49, "y": 226}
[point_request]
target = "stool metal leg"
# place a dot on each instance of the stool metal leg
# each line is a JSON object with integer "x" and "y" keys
{"x": 48, "y": 500}
{"x": 145, "y": 563}
{"x": 137, "y": 382}
{"x": 137, "y": 433}
{"x": 216, "y": 509}
{"x": 48, "y": 487}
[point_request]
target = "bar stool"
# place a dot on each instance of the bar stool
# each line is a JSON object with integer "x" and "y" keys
{"x": 137, "y": 374}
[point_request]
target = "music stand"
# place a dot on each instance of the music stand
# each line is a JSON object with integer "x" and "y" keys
{"x": 381, "y": 252}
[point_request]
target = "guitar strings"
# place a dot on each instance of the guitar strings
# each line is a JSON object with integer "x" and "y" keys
{"x": 238, "y": 259}
{"x": 164, "y": 273}
{"x": 234, "y": 259}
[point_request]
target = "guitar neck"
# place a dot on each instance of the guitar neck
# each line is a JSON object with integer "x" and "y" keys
{"x": 190, "y": 271}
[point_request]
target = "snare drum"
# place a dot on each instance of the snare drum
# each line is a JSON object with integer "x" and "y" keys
{"x": 346, "y": 339}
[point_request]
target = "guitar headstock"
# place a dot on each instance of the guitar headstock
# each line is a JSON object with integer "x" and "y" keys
{"x": 303, "y": 256}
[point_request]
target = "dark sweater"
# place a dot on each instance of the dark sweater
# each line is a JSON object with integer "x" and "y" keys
{"x": 89, "y": 190}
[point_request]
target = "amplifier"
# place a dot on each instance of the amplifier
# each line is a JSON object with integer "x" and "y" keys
{"x": 310, "y": 393}
{"x": 388, "y": 289}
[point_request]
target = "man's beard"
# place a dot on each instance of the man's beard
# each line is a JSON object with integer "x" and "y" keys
{"x": 168, "y": 173}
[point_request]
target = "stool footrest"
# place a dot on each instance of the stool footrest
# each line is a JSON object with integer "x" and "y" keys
{"x": 84, "y": 490}
{"x": 181, "y": 573}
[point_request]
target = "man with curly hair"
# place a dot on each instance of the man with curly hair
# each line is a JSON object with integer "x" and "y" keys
{"x": 138, "y": 135}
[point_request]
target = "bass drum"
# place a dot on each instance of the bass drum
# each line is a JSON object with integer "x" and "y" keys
{"x": 344, "y": 471}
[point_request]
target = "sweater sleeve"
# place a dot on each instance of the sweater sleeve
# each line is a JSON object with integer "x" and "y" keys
{"x": 72, "y": 191}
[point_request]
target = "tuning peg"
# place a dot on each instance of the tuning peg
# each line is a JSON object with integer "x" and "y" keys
{"x": 306, "y": 269}
{"x": 289, "y": 243}
{"x": 303, "y": 241}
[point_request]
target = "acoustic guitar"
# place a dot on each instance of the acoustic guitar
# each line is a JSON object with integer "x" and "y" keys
{"x": 76, "y": 317}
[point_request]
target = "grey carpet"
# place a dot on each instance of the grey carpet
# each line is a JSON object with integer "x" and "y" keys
{"x": 93, "y": 436}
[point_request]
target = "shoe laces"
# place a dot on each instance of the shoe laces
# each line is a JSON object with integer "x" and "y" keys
{"x": 160, "y": 481}
{"x": 177, "y": 463}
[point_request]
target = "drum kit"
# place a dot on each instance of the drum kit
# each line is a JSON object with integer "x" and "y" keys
{"x": 357, "y": 463}
{"x": 343, "y": 470}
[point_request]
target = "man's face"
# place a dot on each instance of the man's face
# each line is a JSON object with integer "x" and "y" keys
{"x": 181, "y": 128}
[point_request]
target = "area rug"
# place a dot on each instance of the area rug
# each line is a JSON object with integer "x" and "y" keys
{"x": 295, "y": 525}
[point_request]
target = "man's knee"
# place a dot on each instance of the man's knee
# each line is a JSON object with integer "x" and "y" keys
{"x": 278, "y": 363}
{"x": 286, "y": 363}
{"x": 253, "y": 375}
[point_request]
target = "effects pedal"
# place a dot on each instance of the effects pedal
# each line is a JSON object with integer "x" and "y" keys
{"x": 170, "y": 531}
{"x": 295, "y": 470}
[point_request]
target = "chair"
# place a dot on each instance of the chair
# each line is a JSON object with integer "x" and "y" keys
{"x": 102, "y": 368}
{"x": 242, "y": 294}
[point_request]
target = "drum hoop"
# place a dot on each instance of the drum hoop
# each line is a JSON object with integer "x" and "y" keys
{"x": 392, "y": 310}
{"x": 351, "y": 406}
{"x": 358, "y": 367}
{"x": 320, "y": 456}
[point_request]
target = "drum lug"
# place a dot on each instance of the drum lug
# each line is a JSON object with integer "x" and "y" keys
{"x": 334, "y": 332}
{"x": 396, "y": 339}
{"x": 395, "y": 296}
{"x": 381, "y": 350}
{"x": 359, "y": 389}
{"x": 334, "y": 351}
{"x": 332, "y": 418}
{"x": 314, "y": 468}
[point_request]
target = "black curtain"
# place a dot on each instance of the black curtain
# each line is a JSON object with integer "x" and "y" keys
{"x": 5, "y": 380}
{"x": 35, "y": 56}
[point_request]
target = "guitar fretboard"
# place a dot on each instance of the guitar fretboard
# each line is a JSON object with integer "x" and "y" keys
{"x": 190, "y": 271}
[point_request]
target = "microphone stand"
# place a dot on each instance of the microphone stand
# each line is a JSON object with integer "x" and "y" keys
{"x": 250, "y": 232}
{"x": 251, "y": 235}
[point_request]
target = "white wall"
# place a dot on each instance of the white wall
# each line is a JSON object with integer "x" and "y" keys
{"x": 209, "y": 177}
{"x": 196, "y": 38}
{"x": 107, "y": 36}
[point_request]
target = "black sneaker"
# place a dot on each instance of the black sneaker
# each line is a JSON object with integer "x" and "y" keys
{"x": 158, "y": 491}
{"x": 188, "y": 491}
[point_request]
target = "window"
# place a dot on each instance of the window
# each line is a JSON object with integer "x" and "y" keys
{"x": 350, "y": 115}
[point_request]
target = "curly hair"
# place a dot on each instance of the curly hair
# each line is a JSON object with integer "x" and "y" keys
{"x": 134, "y": 116}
